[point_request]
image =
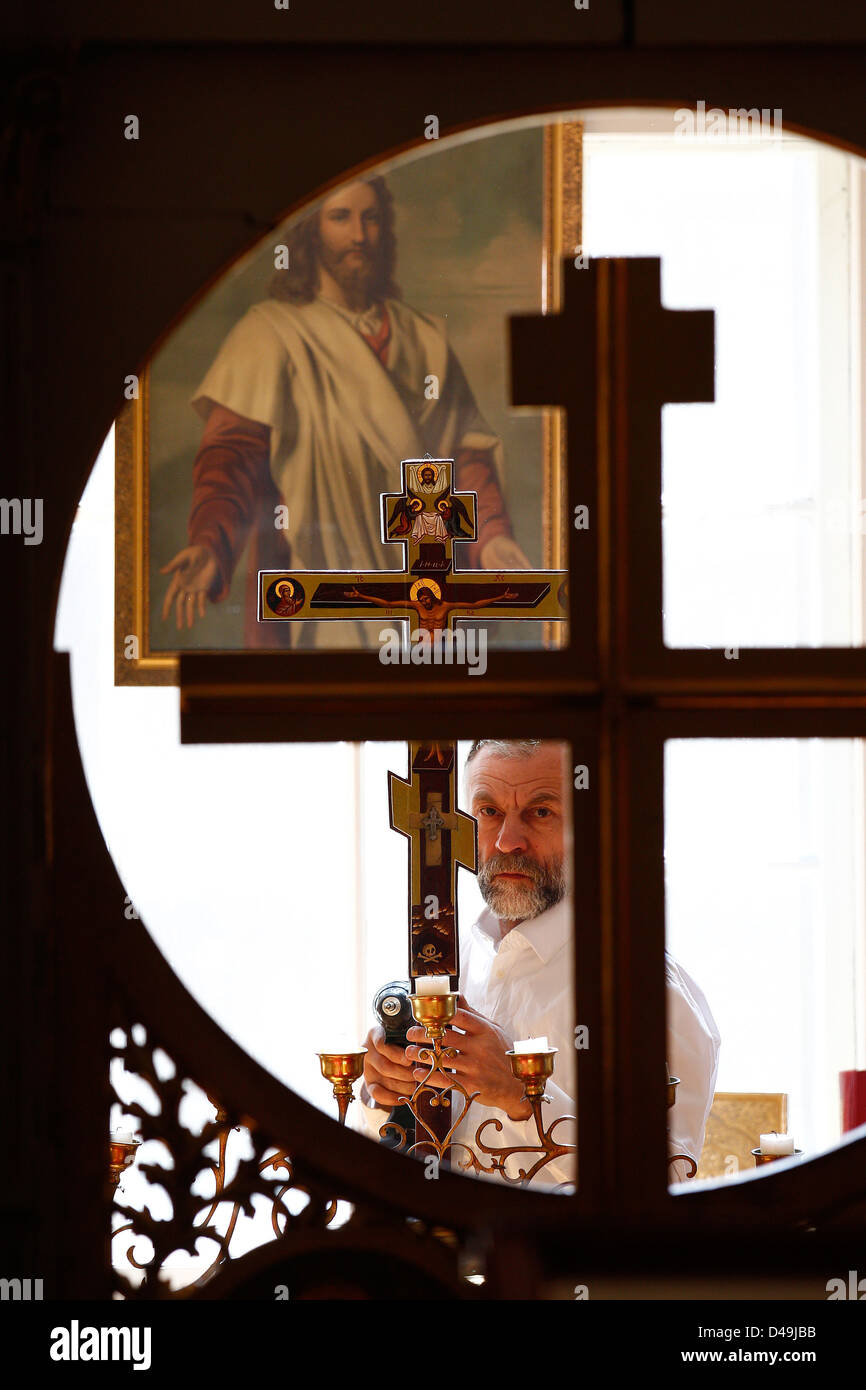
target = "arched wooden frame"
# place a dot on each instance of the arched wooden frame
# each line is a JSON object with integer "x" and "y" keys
{"x": 823, "y": 694}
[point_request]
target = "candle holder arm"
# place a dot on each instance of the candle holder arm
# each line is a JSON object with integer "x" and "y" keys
{"x": 535, "y": 1071}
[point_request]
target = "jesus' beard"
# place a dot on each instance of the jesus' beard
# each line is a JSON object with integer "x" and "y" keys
{"x": 514, "y": 901}
{"x": 356, "y": 277}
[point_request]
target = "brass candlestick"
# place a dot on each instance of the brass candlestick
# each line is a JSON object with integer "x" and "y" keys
{"x": 761, "y": 1158}
{"x": 434, "y": 1012}
{"x": 342, "y": 1069}
{"x": 121, "y": 1155}
{"x": 533, "y": 1069}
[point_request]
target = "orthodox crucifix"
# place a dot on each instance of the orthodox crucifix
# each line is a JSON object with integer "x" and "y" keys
{"x": 426, "y": 518}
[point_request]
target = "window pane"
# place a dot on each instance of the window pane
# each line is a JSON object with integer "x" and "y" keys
{"x": 762, "y": 490}
{"x": 764, "y": 871}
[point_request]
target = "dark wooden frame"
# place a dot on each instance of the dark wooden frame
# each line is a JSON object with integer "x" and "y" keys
{"x": 71, "y": 190}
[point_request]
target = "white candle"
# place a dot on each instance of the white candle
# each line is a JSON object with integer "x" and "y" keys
{"x": 777, "y": 1143}
{"x": 531, "y": 1045}
{"x": 342, "y": 1047}
{"x": 433, "y": 984}
{"x": 123, "y": 1136}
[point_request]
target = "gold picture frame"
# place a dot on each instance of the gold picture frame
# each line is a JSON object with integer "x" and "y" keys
{"x": 135, "y": 662}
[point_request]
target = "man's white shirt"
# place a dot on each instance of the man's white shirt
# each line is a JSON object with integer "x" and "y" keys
{"x": 523, "y": 982}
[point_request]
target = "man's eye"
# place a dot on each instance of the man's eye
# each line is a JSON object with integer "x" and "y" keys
{"x": 487, "y": 811}
{"x": 543, "y": 811}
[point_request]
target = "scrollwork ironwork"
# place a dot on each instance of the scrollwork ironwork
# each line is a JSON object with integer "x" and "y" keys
{"x": 196, "y": 1216}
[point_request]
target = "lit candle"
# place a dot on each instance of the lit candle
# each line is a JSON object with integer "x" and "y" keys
{"x": 433, "y": 984}
{"x": 777, "y": 1143}
{"x": 123, "y": 1136}
{"x": 531, "y": 1045}
{"x": 342, "y": 1047}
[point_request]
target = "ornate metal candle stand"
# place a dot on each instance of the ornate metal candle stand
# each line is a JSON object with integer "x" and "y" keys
{"x": 434, "y": 1012}
{"x": 534, "y": 1069}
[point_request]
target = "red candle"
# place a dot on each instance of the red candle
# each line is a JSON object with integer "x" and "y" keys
{"x": 852, "y": 1085}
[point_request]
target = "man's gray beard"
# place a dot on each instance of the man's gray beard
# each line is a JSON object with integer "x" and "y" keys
{"x": 512, "y": 901}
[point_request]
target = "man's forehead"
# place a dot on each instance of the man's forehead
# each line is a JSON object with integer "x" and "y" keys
{"x": 519, "y": 772}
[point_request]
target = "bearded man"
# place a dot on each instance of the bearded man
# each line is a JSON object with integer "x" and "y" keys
{"x": 516, "y": 974}
{"x": 312, "y": 401}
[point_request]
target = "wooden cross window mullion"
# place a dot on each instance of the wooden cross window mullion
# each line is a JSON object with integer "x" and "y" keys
{"x": 611, "y": 359}
{"x": 568, "y": 360}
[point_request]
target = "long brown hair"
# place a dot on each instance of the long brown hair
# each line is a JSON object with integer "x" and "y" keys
{"x": 297, "y": 284}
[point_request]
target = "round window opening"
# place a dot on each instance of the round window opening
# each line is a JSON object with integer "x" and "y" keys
{"x": 336, "y": 407}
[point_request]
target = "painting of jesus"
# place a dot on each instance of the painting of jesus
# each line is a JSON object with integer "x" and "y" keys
{"x": 307, "y": 398}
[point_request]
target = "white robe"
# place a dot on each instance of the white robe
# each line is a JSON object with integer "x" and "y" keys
{"x": 341, "y": 422}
